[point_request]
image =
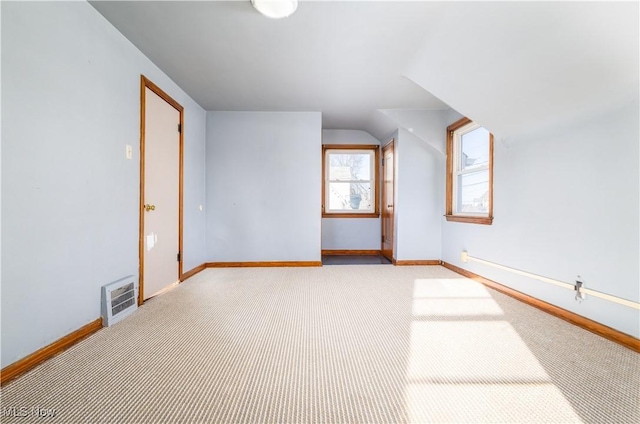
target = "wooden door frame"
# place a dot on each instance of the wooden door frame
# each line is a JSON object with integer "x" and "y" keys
{"x": 383, "y": 197}
{"x": 144, "y": 84}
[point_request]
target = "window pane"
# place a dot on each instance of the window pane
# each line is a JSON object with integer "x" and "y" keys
{"x": 474, "y": 146}
{"x": 473, "y": 192}
{"x": 356, "y": 166}
{"x": 350, "y": 196}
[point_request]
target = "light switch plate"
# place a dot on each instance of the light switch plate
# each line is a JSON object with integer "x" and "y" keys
{"x": 129, "y": 151}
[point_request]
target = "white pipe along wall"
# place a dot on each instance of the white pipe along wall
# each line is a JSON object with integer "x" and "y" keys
{"x": 578, "y": 287}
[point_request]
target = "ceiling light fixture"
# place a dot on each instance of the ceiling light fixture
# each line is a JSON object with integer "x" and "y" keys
{"x": 275, "y": 9}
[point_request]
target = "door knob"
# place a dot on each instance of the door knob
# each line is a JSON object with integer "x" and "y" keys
{"x": 149, "y": 208}
{"x": 390, "y": 206}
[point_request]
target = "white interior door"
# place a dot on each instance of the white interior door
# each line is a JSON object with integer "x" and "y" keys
{"x": 161, "y": 194}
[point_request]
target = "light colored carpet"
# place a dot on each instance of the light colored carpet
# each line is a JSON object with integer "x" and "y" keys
{"x": 347, "y": 344}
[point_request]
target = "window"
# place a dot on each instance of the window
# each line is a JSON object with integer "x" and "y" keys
{"x": 350, "y": 181}
{"x": 469, "y": 173}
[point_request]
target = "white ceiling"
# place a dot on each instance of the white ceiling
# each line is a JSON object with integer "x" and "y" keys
{"x": 345, "y": 59}
{"x": 508, "y": 65}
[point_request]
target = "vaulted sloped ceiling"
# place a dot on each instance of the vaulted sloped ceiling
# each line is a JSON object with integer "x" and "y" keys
{"x": 515, "y": 67}
{"x": 522, "y": 68}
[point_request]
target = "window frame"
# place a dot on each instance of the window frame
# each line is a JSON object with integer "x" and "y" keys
{"x": 453, "y": 149}
{"x": 373, "y": 148}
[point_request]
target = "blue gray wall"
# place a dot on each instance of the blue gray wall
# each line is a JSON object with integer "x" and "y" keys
{"x": 419, "y": 197}
{"x": 565, "y": 204}
{"x": 70, "y": 104}
{"x": 263, "y": 186}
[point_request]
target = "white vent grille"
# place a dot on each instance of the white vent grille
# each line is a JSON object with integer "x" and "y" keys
{"x": 119, "y": 300}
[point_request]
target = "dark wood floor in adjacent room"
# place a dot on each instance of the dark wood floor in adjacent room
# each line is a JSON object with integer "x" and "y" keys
{"x": 354, "y": 260}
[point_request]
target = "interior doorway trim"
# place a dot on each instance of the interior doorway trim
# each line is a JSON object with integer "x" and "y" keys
{"x": 387, "y": 209}
{"x": 146, "y": 83}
